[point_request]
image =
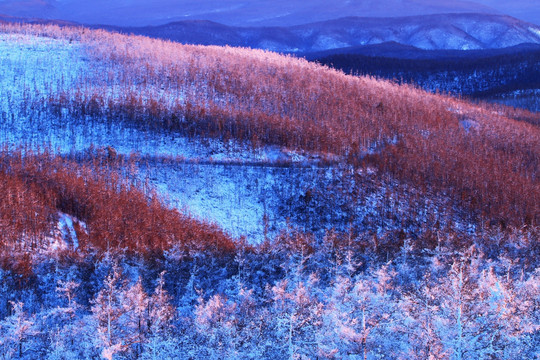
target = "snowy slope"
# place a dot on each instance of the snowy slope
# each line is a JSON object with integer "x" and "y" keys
{"x": 188, "y": 174}
{"x": 247, "y": 192}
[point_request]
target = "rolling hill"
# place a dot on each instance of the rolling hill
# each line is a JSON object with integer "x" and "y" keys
{"x": 343, "y": 216}
{"x": 268, "y": 100}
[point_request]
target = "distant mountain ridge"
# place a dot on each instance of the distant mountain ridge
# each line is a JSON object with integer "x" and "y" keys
{"x": 428, "y": 32}
{"x": 403, "y": 37}
{"x": 230, "y": 12}
{"x": 396, "y": 50}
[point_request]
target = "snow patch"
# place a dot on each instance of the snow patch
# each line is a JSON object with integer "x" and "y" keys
{"x": 535, "y": 31}
{"x": 64, "y": 235}
{"x": 469, "y": 124}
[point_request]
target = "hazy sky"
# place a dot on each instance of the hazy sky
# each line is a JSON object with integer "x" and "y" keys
{"x": 253, "y": 12}
{"x": 528, "y": 10}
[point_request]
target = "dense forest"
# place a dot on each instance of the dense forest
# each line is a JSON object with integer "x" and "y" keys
{"x": 414, "y": 236}
{"x": 477, "y": 76}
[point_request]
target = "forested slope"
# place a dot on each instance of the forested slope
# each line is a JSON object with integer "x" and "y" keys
{"x": 430, "y": 208}
{"x": 269, "y": 99}
{"x": 474, "y": 76}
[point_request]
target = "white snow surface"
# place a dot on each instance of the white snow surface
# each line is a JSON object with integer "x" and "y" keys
{"x": 535, "y": 31}
{"x": 30, "y": 63}
{"x": 64, "y": 235}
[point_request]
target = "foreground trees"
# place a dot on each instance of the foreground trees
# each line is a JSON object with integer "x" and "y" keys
{"x": 452, "y": 305}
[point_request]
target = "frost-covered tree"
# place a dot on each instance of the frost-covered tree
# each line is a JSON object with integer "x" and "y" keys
{"x": 160, "y": 310}
{"x": 527, "y": 303}
{"x": 64, "y": 317}
{"x": 417, "y": 312}
{"x": 215, "y": 324}
{"x": 75, "y": 341}
{"x": 160, "y": 342}
{"x": 455, "y": 319}
{"x": 135, "y": 318}
{"x": 374, "y": 310}
{"x": 159, "y": 348}
{"x": 296, "y": 317}
{"x": 251, "y": 324}
{"x": 18, "y": 335}
{"x": 107, "y": 311}
{"x": 337, "y": 334}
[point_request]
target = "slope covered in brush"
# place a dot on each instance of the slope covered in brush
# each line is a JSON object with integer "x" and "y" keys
{"x": 430, "y": 141}
{"x": 106, "y": 212}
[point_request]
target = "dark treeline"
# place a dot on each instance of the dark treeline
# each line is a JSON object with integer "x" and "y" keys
{"x": 471, "y": 76}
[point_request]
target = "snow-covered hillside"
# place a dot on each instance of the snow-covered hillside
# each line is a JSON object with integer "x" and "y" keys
{"x": 81, "y": 99}
{"x": 252, "y": 192}
{"x": 246, "y": 191}
{"x": 33, "y": 67}
{"x": 230, "y": 184}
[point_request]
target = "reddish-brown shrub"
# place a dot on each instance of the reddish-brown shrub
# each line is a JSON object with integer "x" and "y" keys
{"x": 118, "y": 216}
